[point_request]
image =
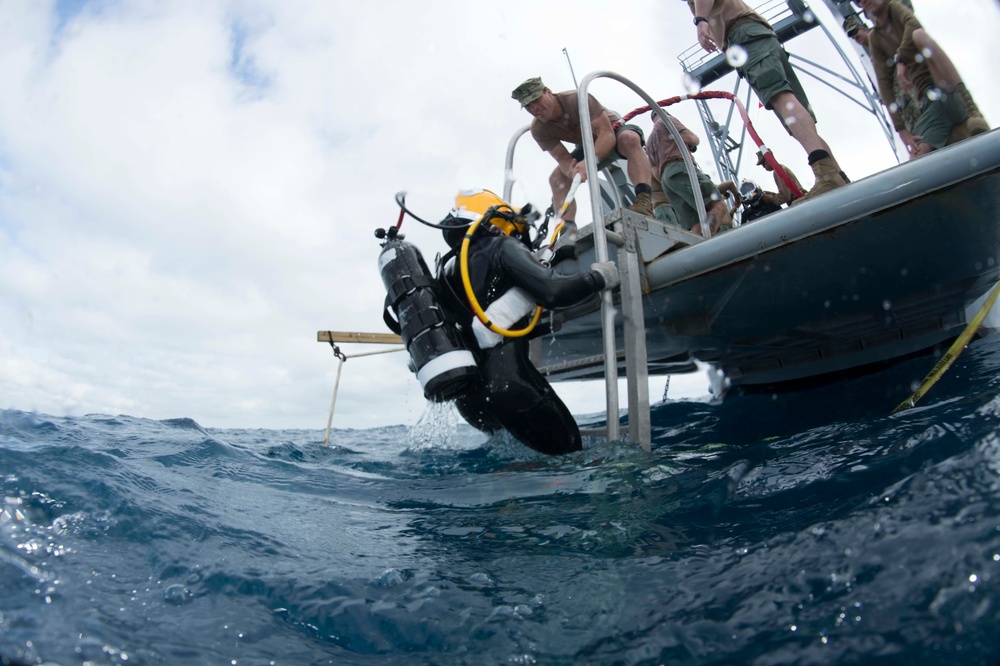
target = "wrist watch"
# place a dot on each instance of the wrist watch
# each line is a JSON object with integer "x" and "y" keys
{"x": 699, "y": 19}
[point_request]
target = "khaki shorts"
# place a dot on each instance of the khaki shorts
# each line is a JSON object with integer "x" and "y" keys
{"x": 613, "y": 157}
{"x": 937, "y": 118}
{"x": 767, "y": 69}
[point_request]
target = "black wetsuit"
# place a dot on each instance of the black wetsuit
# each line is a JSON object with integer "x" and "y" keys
{"x": 514, "y": 395}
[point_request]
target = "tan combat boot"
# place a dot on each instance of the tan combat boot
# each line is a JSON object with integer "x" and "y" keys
{"x": 643, "y": 204}
{"x": 827, "y": 178}
{"x": 975, "y": 123}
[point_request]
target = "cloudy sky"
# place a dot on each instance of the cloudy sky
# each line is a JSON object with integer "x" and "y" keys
{"x": 189, "y": 188}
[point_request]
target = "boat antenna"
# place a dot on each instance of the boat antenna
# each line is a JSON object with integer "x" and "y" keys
{"x": 571, "y": 72}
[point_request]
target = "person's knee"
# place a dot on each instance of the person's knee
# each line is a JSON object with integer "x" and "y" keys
{"x": 558, "y": 182}
{"x": 785, "y": 103}
{"x": 628, "y": 143}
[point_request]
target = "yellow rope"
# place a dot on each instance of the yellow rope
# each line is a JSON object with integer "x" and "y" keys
{"x": 949, "y": 356}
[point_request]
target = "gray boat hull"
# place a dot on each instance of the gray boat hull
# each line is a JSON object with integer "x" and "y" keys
{"x": 880, "y": 269}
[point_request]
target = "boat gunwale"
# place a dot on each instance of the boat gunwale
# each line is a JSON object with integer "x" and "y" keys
{"x": 913, "y": 180}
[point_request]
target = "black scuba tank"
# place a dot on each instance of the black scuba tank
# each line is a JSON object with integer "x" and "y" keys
{"x": 443, "y": 364}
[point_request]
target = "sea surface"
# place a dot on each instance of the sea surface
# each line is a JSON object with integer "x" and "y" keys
{"x": 803, "y": 528}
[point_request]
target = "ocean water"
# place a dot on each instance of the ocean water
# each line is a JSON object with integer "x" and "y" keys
{"x": 806, "y": 528}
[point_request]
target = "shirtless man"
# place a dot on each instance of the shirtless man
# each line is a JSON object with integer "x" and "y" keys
{"x": 557, "y": 119}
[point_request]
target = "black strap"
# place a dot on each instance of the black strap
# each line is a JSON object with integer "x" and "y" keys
{"x": 387, "y": 317}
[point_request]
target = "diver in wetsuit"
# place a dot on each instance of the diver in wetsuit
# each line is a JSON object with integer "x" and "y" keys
{"x": 509, "y": 283}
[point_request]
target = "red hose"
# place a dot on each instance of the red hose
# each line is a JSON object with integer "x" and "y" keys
{"x": 718, "y": 94}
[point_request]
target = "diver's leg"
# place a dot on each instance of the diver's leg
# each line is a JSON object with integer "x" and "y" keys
{"x": 525, "y": 403}
{"x": 475, "y": 408}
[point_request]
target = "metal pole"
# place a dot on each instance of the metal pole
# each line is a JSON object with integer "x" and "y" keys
{"x": 336, "y": 386}
{"x": 601, "y": 252}
{"x": 508, "y": 170}
{"x": 601, "y": 241}
{"x": 566, "y": 53}
{"x": 333, "y": 403}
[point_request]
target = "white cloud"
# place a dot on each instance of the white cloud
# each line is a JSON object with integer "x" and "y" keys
{"x": 188, "y": 190}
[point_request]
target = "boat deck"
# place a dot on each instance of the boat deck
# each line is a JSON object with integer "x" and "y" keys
{"x": 876, "y": 270}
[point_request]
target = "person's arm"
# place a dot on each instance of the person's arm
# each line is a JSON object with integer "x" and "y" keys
{"x": 653, "y": 149}
{"x": 705, "y": 34}
{"x": 883, "y": 75}
{"x": 542, "y": 283}
{"x": 604, "y": 135}
{"x": 908, "y": 22}
{"x": 784, "y": 194}
{"x": 604, "y": 142}
{"x": 690, "y": 139}
{"x": 563, "y": 159}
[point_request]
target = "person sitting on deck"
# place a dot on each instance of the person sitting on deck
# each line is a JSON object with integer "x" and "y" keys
{"x": 899, "y": 42}
{"x": 557, "y": 119}
{"x": 725, "y": 24}
{"x": 667, "y": 162}
{"x": 509, "y": 283}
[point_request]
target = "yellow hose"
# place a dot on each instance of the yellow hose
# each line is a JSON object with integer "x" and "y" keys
{"x": 464, "y": 265}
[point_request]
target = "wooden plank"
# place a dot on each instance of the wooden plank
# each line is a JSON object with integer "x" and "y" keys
{"x": 354, "y": 336}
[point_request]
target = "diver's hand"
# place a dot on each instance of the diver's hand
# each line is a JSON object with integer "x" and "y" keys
{"x": 608, "y": 272}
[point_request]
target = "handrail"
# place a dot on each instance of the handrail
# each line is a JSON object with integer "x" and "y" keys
{"x": 591, "y": 159}
{"x": 600, "y": 233}
{"x": 508, "y": 167}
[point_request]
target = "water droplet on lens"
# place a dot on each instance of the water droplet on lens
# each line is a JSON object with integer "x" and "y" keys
{"x": 691, "y": 84}
{"x": 736, "y": 55}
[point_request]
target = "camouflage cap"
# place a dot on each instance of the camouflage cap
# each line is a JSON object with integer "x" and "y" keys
{"x": 852, "y": 24}
{"x": 760, "y": 158}
{"x": 529, "y": 91}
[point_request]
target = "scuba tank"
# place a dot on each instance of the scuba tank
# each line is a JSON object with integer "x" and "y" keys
{"x": 443, "y": 364}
